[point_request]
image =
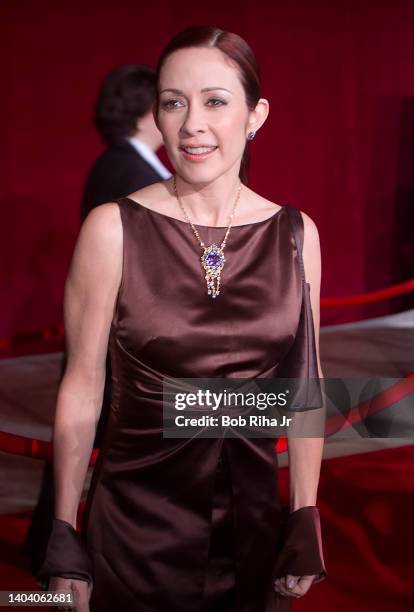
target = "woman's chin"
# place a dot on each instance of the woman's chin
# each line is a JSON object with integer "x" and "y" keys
{"x": 197, "y": 175}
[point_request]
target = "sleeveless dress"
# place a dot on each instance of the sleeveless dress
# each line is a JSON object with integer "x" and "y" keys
{"x": 193, "y": 525}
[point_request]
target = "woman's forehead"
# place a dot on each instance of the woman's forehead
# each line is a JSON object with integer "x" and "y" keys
{"x": 199, "y": 68}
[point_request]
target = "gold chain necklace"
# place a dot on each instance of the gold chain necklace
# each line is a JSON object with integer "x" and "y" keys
{"x": 212, "y": 258}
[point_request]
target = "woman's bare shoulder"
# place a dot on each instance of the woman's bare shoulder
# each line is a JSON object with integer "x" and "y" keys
{"x": 101, "y": 231}
{"x": 312, "y": 256}
{"x": 96, "y": 265}
{"x": 103, "y": 216}
{"x": 311, "y": 233}
{"x": 153, "y": 195}
{"x": 256, "y": 207}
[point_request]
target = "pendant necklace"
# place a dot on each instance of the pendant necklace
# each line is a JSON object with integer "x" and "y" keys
{"x": 212, "y": 258}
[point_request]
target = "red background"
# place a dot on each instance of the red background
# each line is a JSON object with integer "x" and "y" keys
{"x": 339, "y": 143}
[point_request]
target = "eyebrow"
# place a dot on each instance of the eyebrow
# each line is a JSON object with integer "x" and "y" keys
{"x": 178, "y": 91}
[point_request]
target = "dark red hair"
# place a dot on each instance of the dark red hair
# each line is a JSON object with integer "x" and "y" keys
{"x": 237, "y": 50}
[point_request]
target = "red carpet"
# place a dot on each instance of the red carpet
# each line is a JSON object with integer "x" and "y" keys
{"x": 367, "y": 510}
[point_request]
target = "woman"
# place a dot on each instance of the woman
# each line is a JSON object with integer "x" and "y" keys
{"x": 188, "y": 525}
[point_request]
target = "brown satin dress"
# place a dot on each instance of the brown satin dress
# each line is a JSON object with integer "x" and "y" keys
{"x": 192, "y": 525}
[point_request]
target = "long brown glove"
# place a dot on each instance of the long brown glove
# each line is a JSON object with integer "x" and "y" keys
{"x": 301, "y": 554}
{"x": 66, "y": 556}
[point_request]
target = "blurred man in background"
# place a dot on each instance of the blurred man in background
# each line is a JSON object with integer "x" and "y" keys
{"x": 123, "y": 118}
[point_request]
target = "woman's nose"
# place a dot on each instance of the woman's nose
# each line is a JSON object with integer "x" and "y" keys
{"x": 195, "y": 121}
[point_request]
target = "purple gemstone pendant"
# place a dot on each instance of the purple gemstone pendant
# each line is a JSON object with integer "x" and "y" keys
{"x": 213, "y": 261}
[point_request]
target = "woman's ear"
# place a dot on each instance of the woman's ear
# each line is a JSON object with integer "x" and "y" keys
{"x": 258, "y": 116}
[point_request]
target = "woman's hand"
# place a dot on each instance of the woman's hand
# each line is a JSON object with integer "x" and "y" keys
{"x": 81, "y": 593}
{"x": 294, "y": 586}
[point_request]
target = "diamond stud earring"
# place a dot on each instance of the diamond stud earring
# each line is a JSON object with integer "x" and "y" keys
{"x": 251, "y": 135}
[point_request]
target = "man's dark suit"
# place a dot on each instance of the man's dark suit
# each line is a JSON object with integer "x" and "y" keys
{"x": 120, "y": 170}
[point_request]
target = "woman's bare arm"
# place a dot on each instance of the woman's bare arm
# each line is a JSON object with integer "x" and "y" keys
{"x": 305, "y": 454}
{"x": 90, "y": 295}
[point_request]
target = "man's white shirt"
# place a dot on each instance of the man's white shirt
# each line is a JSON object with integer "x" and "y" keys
{"x": 148, "y": 154}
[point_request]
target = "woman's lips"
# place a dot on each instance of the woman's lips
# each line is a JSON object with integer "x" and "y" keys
{"x": 197, "y": 153}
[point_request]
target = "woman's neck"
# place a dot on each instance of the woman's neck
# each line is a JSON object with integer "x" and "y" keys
{"x": 209, "y": 203}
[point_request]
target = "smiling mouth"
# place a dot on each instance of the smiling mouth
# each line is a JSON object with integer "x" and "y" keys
{"x": 200, "y": 152}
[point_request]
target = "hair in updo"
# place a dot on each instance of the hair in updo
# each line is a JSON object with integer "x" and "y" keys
{"x": 237, "y": 50}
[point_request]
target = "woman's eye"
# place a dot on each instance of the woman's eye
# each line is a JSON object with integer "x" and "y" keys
{"x": 171, "y": 104}
{"x": 215, "y": 102}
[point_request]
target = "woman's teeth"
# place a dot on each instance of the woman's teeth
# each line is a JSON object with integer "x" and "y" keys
{"x": 198, "y": 150}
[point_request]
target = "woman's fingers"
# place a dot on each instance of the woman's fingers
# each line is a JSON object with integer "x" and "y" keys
{"x": 293, "y": 586}
{"x": 281, "y": 585}
{"x": 57, "y": 583}
{"x": 81, "y": 593}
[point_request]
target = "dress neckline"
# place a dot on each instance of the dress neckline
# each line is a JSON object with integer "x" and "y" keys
{"x": 221, "y": 227}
